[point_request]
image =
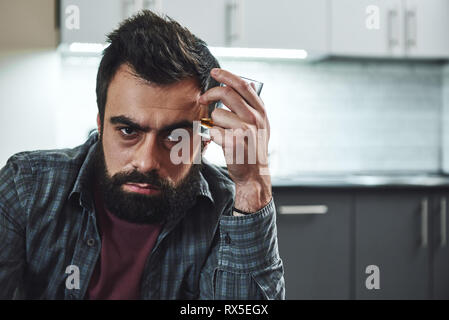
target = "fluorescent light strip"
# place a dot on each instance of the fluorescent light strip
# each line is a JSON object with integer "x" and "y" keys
{"x": 80, "y": 47}
{"x": 258, "y": 53}
{"x": 87, "y": 47}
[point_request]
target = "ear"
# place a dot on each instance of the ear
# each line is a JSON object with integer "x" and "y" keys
{"x": 98, "y": 123}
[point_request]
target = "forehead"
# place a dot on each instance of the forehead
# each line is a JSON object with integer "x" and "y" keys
{"x": 150, "y": 104}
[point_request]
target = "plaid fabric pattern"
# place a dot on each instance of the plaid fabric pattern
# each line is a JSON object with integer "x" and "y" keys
{"x": 48, "y": 227}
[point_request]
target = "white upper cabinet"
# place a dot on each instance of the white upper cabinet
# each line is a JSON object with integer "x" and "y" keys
{"x": 89, "y": 21}
{"x": 390, "y": 28}
{"x": 204, "y": 18}
{"x": 280, "y": 24}
{"x": 366, "y": 27}
{"x": 426, "y": 28}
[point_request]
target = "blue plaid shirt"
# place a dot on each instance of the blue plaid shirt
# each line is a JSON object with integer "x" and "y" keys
{"x": 48, "y": 225}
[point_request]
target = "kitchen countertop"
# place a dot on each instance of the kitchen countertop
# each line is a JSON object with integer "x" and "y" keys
{"x": 362, "y": 180}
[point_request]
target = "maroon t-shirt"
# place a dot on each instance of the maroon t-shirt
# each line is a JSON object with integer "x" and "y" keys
{"x": 125, "y": 247}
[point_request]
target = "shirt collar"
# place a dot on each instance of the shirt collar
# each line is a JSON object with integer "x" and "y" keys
{"x": 204, "y": 189}
{"x": 83, "y": 186}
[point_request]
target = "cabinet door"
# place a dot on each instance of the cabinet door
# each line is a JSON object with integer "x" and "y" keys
{"x": 369, "y": 28}
{"x": 392, "y": 234}
{"x": 426, "y": 26}
{"x": 281, "y": 24}
{"x": 440, "y": 246}
{"x": 314, "y": 242}
{"x": 89, "y": 21}
{"x": 204, "y": 18}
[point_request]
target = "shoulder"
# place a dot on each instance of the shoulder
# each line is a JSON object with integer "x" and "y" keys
{"x": 40, "y": 179}
{"x": 42, "y": 161}
{"x": 32, "y": 172}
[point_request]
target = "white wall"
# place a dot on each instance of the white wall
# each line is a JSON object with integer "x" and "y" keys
{"x": 445, "y": 119}
{"x": 44, "y": 103}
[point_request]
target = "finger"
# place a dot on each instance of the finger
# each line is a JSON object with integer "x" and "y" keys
{"x": 231, "y": 99}
{"x": 226, "y": 119}
{"x": 241, "y": 86}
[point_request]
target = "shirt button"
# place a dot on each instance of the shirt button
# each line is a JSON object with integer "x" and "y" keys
{"x": 90, "y": 242}
{"x": 227, "y": 239}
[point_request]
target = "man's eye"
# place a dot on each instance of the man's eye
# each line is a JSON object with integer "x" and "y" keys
{"x": 170, "y": 137}
{"x": 127, "y": 131}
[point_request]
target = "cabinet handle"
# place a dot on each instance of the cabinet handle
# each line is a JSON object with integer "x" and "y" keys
{"x": 443, "y": 236}
{"x": 410, "y": 28}
{"x": 303, "y": 209}
{"x": 424, "y": 222}
{"x": 233, "y": 21}
{"x": 392, "y": 41}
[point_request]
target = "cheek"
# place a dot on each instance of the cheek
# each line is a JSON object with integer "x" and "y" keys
{"x": 116, "y": 157}
{"x": 174, "y": 173}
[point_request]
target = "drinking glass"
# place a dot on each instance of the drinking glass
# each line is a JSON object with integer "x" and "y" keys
{"x": 207, "y": 123}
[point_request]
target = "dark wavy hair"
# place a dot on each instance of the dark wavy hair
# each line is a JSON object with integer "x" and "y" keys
{"x": 159, "y": 50}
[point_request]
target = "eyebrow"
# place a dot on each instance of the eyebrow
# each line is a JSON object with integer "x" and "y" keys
{"x": 134, "y": 125}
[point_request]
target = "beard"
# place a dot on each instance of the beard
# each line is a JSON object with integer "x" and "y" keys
{"x": 168, "y": 204}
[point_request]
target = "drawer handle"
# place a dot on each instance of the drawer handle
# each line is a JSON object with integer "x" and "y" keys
{"x": 303, "y": 209}
{"x": 443, "y": 237}
{"x": 424, "y": 222}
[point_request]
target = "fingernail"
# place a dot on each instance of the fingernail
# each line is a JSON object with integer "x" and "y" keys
{"x": 214, "y": 71}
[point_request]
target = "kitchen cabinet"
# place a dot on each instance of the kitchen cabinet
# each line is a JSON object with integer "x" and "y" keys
{"x": 360, "y": 28}
{"x": 204, "y": 18}
{"x": 440, "y": 248}
{"x": 404, "y": 234}
{"x": 405, "y": 28}
{"x": 426, "y": 26}
{"x": 354, "y": 31}
{"x": 284, "y": 24}
{"x": 391, "y": 233}
{"x": 89, "y": 21}
{"x": 314, "y": 242}
{"x": 333, "y": 240}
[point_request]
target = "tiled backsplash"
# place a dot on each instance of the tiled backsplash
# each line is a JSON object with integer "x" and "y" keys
{"x": 351, "y": 116}
{"x": 445, "y": 120}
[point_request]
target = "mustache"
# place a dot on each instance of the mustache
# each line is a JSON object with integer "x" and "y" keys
{"x": 135, "y": 176}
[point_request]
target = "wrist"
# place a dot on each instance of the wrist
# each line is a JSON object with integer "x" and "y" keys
{"x": 252, "y": 196}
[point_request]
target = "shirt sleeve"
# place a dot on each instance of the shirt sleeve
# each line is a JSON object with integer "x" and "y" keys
{"x": 12, "y": 232}
{"x": 245, "y": 261}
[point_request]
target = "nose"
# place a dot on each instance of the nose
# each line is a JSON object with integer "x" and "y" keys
{"x": 146, "y": 156}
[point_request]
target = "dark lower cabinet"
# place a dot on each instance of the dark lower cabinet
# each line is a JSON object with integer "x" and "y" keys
{"x": 440, "y": 246}
{"x": 392, "y": 234}
{"x": 314, "y": 242}
{"x": 364, "y": 243}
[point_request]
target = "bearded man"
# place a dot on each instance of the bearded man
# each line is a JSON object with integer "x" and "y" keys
{"x": 116, "y": 217}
